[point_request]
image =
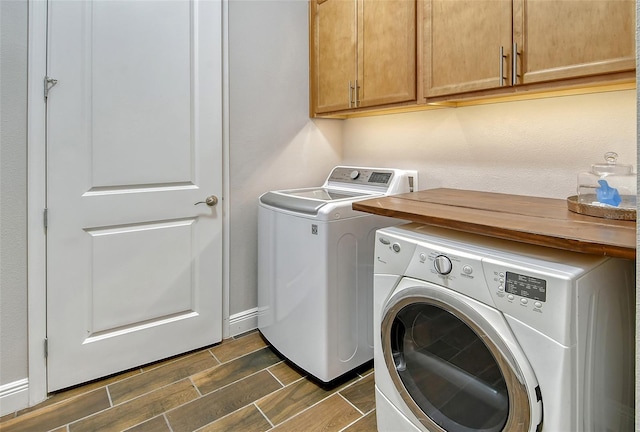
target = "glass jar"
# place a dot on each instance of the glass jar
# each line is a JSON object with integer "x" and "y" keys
{"x": 608, "y": 184}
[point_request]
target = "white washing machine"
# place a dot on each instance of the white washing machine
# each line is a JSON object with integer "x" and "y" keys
{"x": 315, "y": 268}
{"x": 480, "y": 334}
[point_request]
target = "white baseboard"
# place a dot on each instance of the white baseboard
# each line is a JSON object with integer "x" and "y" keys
{"x": 14, "y": 396}
{"x": 243, "y": 321}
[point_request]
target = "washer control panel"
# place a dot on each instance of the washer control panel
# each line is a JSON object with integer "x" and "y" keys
{"x": 361, "y": 176}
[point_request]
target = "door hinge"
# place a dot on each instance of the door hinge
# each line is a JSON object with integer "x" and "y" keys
{"x": 46, "y": 348}
{"x": 48, "y": 85}
{"x": 45, "y": 216}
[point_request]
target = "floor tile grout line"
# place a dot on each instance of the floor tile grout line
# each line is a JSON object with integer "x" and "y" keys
{"x": 37, "y": 412}
{"x": 214, "y": 391}
{"x": 138, "y": 424}
{"x": 166, "y": 420}
{"x": 141, "y": 371}
{"x": 107, "y": 387}
{"x": 131, "y": 400}
{"x": 195, "y": 387}
{"x": 264, "y": 415}
{"x": 160, "y": 368}
{"x": 275, "y": 377}
{"x": 244, "y": 355}
{"x": 313, "y": 405}
{"x": 112, "y": 406}
{"x": 351, "y": 424}
{"x": 240, "y": 379}
{"x": 349, "y": 402}
{"x": 189, "y": 377}
{"x": 214, "y": 356}
{"x": 357, "y": 420}
{"x": 244, "y": 406}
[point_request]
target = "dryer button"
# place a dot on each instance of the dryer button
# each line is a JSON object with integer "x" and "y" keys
{"x": 467, "y": 269}
{"x": 524, "y": 301}
{"x": 538, "y": 305}
{"x": 396, "y": 247}
{"x": 384, "y": 241}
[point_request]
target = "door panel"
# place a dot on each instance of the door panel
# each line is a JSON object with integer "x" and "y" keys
{"x": 134, "y": 269}
{"x": 568, "y": 39}
{"x": 386, "y": 52}
{"x": 334, "y": 52}
{"x": 462, "y": 41}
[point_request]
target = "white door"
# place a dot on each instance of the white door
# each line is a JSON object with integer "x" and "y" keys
{"x": 134, "y": 269}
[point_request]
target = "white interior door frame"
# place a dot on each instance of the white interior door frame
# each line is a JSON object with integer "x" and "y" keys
{"x": 37, "y": 194}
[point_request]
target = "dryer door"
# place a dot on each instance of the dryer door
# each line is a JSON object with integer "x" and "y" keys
{"x": 456, "y": 363}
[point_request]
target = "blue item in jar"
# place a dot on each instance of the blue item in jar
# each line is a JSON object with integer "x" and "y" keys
{"x": 608, "y": 195}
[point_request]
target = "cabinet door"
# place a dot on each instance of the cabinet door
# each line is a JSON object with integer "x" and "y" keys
{"x": 333, "y": 64}
{"x": 573, "y": 38}
{"x": 386, "y": 52}
{"x": 461, "y": 45}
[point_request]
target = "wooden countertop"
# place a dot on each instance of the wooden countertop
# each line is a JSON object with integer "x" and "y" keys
{"x": 540, "y": 221}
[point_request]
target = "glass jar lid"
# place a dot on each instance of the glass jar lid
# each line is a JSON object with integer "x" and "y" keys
{"x": 611, "y": 167}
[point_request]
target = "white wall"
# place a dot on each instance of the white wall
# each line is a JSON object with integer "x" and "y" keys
{"x": 13, "y": 192}
{"x": 273, "y": 143}
{"x": 529, "y": 147}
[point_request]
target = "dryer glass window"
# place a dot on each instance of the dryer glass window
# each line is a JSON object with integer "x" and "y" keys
{"x": 448, "y": 370}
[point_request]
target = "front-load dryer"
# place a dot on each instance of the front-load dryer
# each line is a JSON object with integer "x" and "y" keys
{"x": 480, "y": 334}
{"x": 315, "y": 268}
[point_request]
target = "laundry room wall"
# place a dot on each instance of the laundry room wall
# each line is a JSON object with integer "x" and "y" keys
{"x": 534, "y": 147}
{"x": 13, "y": 196}
{"x": 273, "y": 143}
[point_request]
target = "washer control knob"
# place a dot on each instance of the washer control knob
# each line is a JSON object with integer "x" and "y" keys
{"x": 443, "y": 265}
{"x": 354, "y": 174}
{"x": 396, "y": 247}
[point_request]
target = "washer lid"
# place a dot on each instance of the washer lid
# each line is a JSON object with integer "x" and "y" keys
{"x": 307, "y": 200}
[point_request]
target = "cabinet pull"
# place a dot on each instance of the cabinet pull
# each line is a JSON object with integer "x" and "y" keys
{"x": 350, "y": 95}
{"x": 357, "y": 91}
{"x": 514, "y": 58}
{"x": 502, "y": 57}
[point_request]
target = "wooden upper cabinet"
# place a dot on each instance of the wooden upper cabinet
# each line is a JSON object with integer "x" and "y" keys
{"x": 363, "y": 53}
{"x": 462, "y": 45}
{"x": 334, "y": 48}
{"x": 386, "y": 52}
{"x": 468, "y": 44}
{"x": 573, "y": 38}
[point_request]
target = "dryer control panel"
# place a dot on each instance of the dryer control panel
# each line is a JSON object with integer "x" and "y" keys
{"x": 535, "y": 286}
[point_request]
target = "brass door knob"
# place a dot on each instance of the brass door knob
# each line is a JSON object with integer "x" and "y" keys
{"x": 211, "y": 201}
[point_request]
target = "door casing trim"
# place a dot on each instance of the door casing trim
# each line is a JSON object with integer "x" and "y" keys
{"x": 37, "y": 195}
{"x": 36, "y": 202}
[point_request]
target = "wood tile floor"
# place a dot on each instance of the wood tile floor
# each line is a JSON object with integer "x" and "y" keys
{"x": 239, "y": 385}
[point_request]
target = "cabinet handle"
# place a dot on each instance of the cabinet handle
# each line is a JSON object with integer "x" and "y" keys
{"x": 357, "y": 91}
{"x": 502, "y": 57}
{"x": 514, "y": 58}
{"x": 350, "y": 95}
